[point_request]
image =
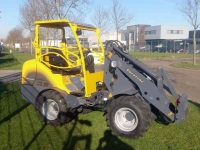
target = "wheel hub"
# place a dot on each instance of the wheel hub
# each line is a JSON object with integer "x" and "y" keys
{"x": 50, "y": 109}
{"x": 129, "y": 116}
{"x": 126, "y": 119}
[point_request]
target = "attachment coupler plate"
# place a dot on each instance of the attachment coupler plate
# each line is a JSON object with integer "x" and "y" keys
{"x": 182, "y": 108}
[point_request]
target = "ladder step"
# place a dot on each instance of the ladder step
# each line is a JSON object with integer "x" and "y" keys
{"x": 77, "y": 93}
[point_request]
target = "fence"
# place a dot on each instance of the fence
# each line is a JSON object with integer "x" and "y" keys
{"x": 161, "y": 46}
{"x": 165, "y": 46}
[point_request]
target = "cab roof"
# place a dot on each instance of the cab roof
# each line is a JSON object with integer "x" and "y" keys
{"x": 62, "y": 23}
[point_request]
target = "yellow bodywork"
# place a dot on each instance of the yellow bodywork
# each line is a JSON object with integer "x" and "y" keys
{"x": 41, "y": 64}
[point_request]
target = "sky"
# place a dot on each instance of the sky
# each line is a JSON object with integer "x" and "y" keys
{"x": 152, "y": 12}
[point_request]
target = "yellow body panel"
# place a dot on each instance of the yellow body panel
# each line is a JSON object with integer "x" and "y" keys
{"x": 42, "y": 61}
{"x": 57, "y": 80}
{"x": 92, "y": 81}
{"x": 44, "y": 74}
{"x": 27, "y": 68}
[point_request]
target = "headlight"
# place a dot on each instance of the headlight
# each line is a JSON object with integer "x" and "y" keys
{"x": 113, "y": 64}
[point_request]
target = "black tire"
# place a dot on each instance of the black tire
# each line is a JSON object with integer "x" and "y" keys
{"x": 64, "y": 115}
{"x": 140, "y": 107}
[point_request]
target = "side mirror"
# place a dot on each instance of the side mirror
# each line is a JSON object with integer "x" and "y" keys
{"x": 79, "y": 32}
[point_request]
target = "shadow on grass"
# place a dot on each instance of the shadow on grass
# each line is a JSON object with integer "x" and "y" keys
{"x": 195, "y": 103}
{"x": 10, "y": 103}
{"x": 112, "y": 142}
{"x": 7, "y": 60}
{"x": 3, "y": 89}
{"x": 109, "y": 141}
{"x": 73, "y": 140}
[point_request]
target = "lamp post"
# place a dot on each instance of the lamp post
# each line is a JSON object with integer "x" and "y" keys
{"x": 31, "y": 31}
{"x": 188, "y": 46}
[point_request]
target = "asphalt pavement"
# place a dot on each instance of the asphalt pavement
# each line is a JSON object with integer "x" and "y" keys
{"x": 7, "y": 76}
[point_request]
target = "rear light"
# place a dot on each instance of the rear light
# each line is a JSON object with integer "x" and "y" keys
{"x": 177, "y": 100}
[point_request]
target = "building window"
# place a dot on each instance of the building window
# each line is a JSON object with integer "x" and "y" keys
{"x": 180, "y": 31}
{"x": 150, "y": 32}
{"x": 132, "y": 35}
{"x": 153, "y": 32}
{"x": 174, "y": 31}
{"x": 169, "y": 31}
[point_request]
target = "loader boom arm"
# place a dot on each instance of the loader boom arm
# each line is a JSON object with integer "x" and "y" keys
{"x": 142, "y": 80}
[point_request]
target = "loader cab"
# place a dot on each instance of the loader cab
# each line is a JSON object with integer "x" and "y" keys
{"x": 70, "y": 56}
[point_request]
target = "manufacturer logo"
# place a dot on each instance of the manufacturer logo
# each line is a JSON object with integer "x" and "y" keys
{"x": 134, "y": 75}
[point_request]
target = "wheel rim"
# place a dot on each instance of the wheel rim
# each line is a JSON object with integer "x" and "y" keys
{"x": 50, "y": 109}
{"x": 126, "y": 119}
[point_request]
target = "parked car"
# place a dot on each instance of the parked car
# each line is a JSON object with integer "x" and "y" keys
{"x": 1, "y": 48}
{"x": 95, "y": 45}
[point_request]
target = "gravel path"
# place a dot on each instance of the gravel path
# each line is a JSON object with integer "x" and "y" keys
{"x": 184, "y": 80}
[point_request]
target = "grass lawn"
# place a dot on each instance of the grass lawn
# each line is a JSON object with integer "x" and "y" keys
{"x": 149, "y": 55}
{"x": 21, "y": 128}
{"x": 187, "y": 65}
{"x": 13, "y": 61}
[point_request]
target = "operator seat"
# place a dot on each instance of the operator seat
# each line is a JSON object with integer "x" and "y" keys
{"x": 89, "y": 63}
{"x": 59, "y": 61}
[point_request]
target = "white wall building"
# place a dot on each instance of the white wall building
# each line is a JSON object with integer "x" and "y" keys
{"x": 109, "y": 36}
{"x": 166, "y": 32}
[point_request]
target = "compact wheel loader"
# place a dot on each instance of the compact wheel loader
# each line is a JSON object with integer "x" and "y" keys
{"x": 62, "y": 82}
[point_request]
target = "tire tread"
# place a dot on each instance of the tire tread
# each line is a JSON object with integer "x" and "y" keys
{"x": 144, "y": 108}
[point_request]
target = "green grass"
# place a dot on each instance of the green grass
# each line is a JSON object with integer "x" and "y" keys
{"x": 21, "y": 128}
{"x": 13, "y": 61}
{"x": 187, "y": 65}
{"x": 150, "y": 55}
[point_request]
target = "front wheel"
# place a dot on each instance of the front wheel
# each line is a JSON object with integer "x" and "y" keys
{"x": 129, "y": 116}
{"x": 53, "y": 109}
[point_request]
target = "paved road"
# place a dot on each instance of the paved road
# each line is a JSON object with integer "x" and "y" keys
{"x": 7, "y": 76}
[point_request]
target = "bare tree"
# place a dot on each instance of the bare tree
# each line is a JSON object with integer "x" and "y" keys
{"x": 68, "y": 8}
{"x": 100, "y": 19}
{"x": 119, "y": 16}
{"x": 191, "y": 10}
{"x": 14, "y": 35}
{"x": 30, "y": 11}
{"x": 33, "y": 10}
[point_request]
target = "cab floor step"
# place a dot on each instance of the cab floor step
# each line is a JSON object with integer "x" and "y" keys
{"x": 77, "y": 93}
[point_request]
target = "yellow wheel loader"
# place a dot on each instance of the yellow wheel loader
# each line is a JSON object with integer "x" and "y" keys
{"x": 64, "y": 81}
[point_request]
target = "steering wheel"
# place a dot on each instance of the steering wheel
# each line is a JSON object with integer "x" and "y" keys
{"x": 119, "y": 44}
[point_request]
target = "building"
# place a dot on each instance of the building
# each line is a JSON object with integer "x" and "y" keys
{"x": 190, "y": 41}
{"x": 191, "y": 34}
{"x": 136, "y": 34}
{"x": 166, "y": 38}
{"x": 70, "y": 42}
{"x": 163, "y": 32}
{"x": 133, "y": 36}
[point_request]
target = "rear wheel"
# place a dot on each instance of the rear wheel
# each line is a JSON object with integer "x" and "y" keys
{"x": 129, "y": 116}
{"x": 53, "y": 109}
